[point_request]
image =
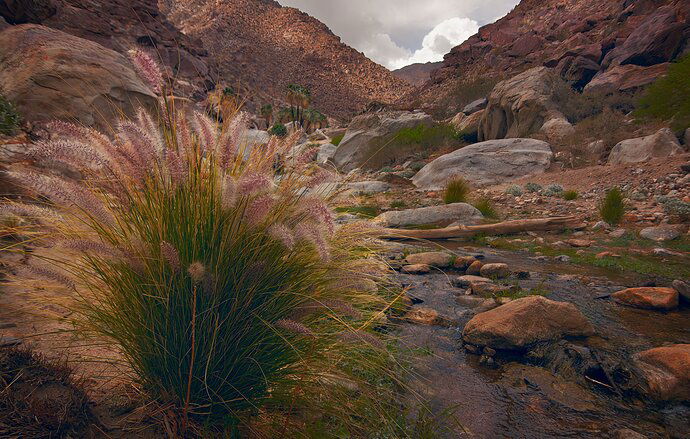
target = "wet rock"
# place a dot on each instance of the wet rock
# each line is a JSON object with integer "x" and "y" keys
{"x": 523, "y": 322}
{"x": 427, "y": 316}
{"x": 666, "y": 372}
{"x": 657, "y": 298}
{"x": 467, "y": 281}
{"x": 661, "y": 233}
{"x": 433, "y": 259}
{"x": 661, "y": 144}
{"x": 487, "y": 163}
{"x": 497, "y": 271}
{"x": 416, "y": 269}
{"x": 475, "y": 268}
{"x": 433, "y": 215}
{"x": 683, "y": 289}
{"x": 462, "y": 262}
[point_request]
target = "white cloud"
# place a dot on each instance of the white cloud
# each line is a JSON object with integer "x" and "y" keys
{"x": 439, "y": 41}
{"x": 392, "y": 32}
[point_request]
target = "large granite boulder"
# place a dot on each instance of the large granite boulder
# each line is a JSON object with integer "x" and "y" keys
{"x": 661, "y": 144}
{"x": 462, "y": 213}
{"x": 50, "y": 75}
{"x": 665, "y": 372}
{"x": 519, "y": 106}
{"x": 523, "y": 322}
{"x": 486, "y": 163}
{"x": 371, "y": 143}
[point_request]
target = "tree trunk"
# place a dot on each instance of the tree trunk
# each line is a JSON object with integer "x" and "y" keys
{"x": 503, "y": 228}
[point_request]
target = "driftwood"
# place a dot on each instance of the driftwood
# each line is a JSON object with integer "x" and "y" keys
{"x": 503, "y": 228}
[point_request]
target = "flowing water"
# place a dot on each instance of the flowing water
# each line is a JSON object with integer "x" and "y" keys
{"x": 521, "y": 400}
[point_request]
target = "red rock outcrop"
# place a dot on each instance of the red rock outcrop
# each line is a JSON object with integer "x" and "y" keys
{"x": 264, "y": 47}
{"x": 582, "y": 40}
{"x": 417, "y": 74}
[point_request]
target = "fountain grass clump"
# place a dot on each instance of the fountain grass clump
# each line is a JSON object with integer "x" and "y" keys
{"x": 232, "y": 298}
{"x": 457, "y": 191}
{"x": 612, "y": 206}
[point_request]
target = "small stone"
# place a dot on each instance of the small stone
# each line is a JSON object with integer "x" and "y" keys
{"x": 475, "y": 268}
{"x": 416, "y": 269}
{"x": 562, "y": 258}
{"x": 600, "y": 225}
{"x": 618, "y": 233}
{"x": 579, "y": 243}
{"x": 498, "y": 271}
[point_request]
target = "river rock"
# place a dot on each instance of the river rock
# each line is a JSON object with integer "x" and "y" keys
{"x": 370, "y": 141}
{"x": 467, "y": 280}
{"x": 683, "y": 289}
{"x": 519, "y": 106}
{"x": 487, "y": 163}
{"x": 657, "y": 298}
{"x": 416, "y": 269}
{"x": 427, "y": 316}
{"x": 661, "y": 233}
{"x": 369, "y": 187}
{"x": 433, "y": 215}
{"x": 475, "y": 268}
{"x": 49, "y": 75}
{"x": 522, "y": 322}
{"x": 497, "y": 271}
{"x": 462, "y": 262}
{"x": 434, "y": 259}
{"x": 666, "y": 372}
{"x": 661, "y": 144}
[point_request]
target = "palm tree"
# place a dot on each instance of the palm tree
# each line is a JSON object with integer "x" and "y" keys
{"x": 267, "y": 113}
{"x": 299, "y": 98}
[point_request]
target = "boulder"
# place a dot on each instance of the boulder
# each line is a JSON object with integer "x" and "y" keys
{"x": 661, "y": 144}
{"x": 325, "y": 153}
{"x": 683, "y": 289}
{"x": 475, "y": 106}
{"x": 470, "y": 124}
{"x": 487, "y": 163}
{"x": 665, "y": 372}
{"x": 657, "y": 298}
{"x": 557, "y": 129}
{"x": 50, "y": 75}
{"x": 627, "y": 78}
{"x": 520, "y": 323}
{"x": 657, "y": 39}
{"x": 498, "y": 271}
{"x": 433, "y": 215}
{"x": 577, "y": 70}
{"x": 475, "y": 268}
{"x": 434, "y": 259}
{"x": 371, "y": 143}
{"x": 369, "y": 187}
{"x": 661, "y": 233}
{"x": 519, "y": 106}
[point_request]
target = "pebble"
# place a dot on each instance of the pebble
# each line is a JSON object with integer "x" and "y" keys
{"x": 562, "y": 258}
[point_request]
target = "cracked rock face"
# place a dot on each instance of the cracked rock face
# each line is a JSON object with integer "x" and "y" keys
{"x": 487, "y": 163}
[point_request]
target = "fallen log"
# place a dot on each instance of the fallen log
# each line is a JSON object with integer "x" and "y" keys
{"x": 503, "y": 228}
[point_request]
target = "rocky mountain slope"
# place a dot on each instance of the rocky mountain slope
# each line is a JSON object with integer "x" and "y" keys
{"x": 418, "y": 73}
{"x": 594, "y": 44}
{"x": 265, "y": 47}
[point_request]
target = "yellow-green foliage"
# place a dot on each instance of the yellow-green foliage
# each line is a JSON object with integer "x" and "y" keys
{"x": 486, "y": 207}
{"x": 669, "y": 97}
{"x": 612, "y": 206}
{"x": 570, "y": 195}
{"x": 337, "y": 139}
{"x": 457, "y": 190}
{"x": 433, "y": 135}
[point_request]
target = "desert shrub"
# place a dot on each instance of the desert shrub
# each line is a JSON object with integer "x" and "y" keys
{"x": 278, "y": 130}
{"x": 669, "y": 97}
{"x": 335, "y": 140}
{"x": 466, "y": 92}
{"x": 228, "y": 291}
{"x": 457, "y": 190}
{"x": 9, "y": 118}
{"x": 612, "y": 206}
{"x": 514, "y": 190}
{"x": 553, "y": 190}
{"x": 387, "y": 170}
{"x": 675, "y": 206}
{"x": 577, "y": 106}
{"x": 533, "y": 187}
{"x": 570, "y": 195}
{"x": 486, "y": 207}
{"x": 398, "y": 204}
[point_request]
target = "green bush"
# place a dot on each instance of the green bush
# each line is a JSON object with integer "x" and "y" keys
{"x": 230, "y": 295}
{"x": 9, "y": 118}
{"x": 570, "y": 195}
{"x": 533, "y": 187}
{"x": 553, "y": 190}
{"x": 337, "y": 139}
{"x": 486, "y": 207}
{"x": 278, "y": 130}
{"x": 669, "y": 97}
{"x": 426, "y": 135}
{"x": 612, "y": 206}
{"x": 457, "y": 190}
{"x": 514, "y": 190}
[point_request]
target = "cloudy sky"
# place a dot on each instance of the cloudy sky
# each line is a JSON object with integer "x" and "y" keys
{"x": 396, "y": 33}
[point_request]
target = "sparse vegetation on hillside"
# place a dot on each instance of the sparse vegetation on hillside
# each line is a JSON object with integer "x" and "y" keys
{"x": 669, "y": 97}
{"x": 9, "y": 117}
{"x": 612, "y": 206}
{"x": 457, "y": 190}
